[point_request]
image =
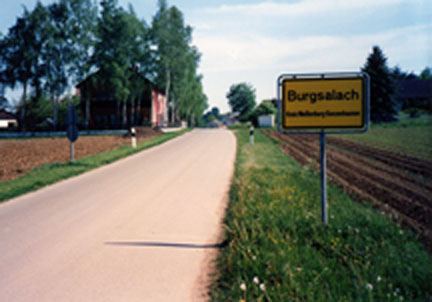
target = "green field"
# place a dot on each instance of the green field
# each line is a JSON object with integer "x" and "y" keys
{"x": 278, "y": 250}
{"x": 51, "y": 173}
{"x": 412, "y": 137}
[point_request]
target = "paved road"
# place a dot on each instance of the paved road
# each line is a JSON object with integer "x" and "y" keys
{"x": 141, "y": 229}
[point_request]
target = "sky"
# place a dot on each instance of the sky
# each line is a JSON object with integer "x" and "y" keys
{"x": 256, "y": 41}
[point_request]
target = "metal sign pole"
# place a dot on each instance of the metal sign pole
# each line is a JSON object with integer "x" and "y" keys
{"x": 72, "y": 151}
{"x": 72, "y": 129}
{"x": 323, "y": 178}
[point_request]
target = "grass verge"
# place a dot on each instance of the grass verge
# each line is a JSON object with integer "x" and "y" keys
{"x": 51, "y": 173}
{"x": 278, "y": 250}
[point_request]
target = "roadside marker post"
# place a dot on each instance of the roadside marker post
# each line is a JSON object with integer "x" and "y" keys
{"x": 251, "y": 135}
{"x": 323, "y": 103}
{"x": 133, "y": 136}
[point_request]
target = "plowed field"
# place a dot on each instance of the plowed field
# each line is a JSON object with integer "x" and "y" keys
{"x": 19, "y": 156}
{"x": 395, "y": 183}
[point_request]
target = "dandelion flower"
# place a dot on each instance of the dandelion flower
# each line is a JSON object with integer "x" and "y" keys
{"x": 369, "y": 286}
{"x": 255, "y": 280}
{"x": 262, "y": 287}
{"x": 378, "y": 278}
{"x": 243, "y": 287}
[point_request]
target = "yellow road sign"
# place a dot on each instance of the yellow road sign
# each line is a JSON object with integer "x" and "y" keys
{"x": 323, "y": 102}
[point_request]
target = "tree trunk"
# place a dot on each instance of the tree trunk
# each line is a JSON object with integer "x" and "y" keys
{"x": 172, "y": 112}
{"x": 54, "y": 101}
{"x": 124, "y": 120}
{"x": 138, "y": 112}
{"x": 189, "y": 117}
{"x": 167, "y": 89}
{"x": 23, "y": 107}
{"x": 173, "y": 109}
{"x": 132, "y": 112}
{"x": 152, "y": 112}
{"x": 117, "y": 114}
{"x": 87, "y": 111}
{"x": 87, "y": 106}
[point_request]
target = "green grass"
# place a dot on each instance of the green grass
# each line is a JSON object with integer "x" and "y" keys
{"x": 412, "y": 137}
{"x": 276, "y": 241}
{"x": 51, "y": 173}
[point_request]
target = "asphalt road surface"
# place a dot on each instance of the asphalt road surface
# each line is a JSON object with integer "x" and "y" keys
{"x": 144, "y": 228}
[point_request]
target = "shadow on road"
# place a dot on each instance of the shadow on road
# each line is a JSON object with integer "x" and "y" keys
{"x": 171, "y": 245}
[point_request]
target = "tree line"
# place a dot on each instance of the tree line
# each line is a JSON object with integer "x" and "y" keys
{"x": 383, "y": 89}
{"x": 52, "y": 47}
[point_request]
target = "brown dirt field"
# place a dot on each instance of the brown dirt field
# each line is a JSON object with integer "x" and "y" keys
{"x": 395, "y": 183}
{"x": 19, "y": 156}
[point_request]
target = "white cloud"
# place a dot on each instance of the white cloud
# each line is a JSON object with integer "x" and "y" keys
{"x": 234, "y": 53}
{"x": 254, "y": 52}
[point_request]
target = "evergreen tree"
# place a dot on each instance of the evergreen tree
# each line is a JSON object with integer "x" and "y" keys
{"x": 426, "y": 74}
{"x": 382, "y": 103}
{"x": 398, "y": 74}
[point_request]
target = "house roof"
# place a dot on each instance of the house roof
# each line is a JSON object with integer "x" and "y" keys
{"x": 414, "y": 88}
{"x": 4, "y": 115}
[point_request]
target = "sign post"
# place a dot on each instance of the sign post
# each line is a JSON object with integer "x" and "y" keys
{"x": 327, "y": 103}
{"x": 323, "y": 178}
{"x": 72, "y": 129}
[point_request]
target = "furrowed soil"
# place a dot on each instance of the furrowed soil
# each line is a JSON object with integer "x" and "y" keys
{"x": 19, "y": 156}
{"x": 397, "y": 184}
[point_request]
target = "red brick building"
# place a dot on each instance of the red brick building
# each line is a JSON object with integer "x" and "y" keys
{"x": 146, "y": 109}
